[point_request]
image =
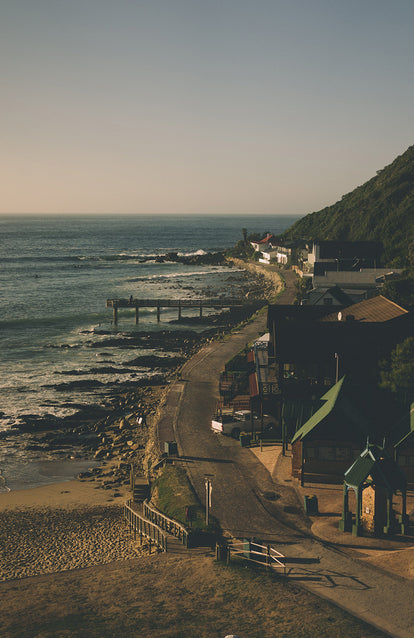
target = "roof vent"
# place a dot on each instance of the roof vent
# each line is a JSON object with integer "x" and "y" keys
{"x": 350, "y": 317}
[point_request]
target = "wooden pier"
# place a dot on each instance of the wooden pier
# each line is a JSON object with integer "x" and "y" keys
{"x": 136, "y": 304}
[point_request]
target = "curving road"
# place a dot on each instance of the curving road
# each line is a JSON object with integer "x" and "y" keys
{"x": 241, "y": 487}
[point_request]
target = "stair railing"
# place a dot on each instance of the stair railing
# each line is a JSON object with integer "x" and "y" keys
{"x": 140, "y": 525}
{"x": 166, "y": 523}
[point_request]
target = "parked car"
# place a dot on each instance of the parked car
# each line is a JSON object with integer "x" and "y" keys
{"x": 234, "y": 423}
{"x": 231, "y": 424}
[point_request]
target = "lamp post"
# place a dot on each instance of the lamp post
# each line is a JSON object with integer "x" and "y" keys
{"x": 207, "y": 481}
{"x": 337, "y": 367}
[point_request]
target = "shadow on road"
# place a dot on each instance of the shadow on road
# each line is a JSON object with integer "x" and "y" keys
{"x": 303, "y": 561}
{"x": 191, "y": 459}
{"x": 328, "y": 579}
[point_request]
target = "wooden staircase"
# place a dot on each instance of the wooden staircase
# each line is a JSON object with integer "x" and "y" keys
{"x": 141, "y": 490}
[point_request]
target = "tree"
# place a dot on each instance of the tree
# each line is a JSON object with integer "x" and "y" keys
{"x": 302, "y": 285}
{"x": 244, "y": 231}
{"x": 401, "y": 291}
{"x": 397, "y": 372}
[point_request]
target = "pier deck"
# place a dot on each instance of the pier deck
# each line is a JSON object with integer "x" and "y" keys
{"x": 216, "y": 303}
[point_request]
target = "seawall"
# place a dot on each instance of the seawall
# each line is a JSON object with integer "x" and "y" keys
{"x": 272, "y": 276}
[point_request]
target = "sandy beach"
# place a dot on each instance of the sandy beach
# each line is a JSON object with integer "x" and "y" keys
{"x": 79, "y": 523}
{"x": 62, "y": 526}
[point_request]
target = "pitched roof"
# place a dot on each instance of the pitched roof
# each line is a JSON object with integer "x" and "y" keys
{"x": 334, "y": 291}
{"x": 403, "y": 429}
{"x": 374, "y": 462}
{"x": 265, "y": 239}
{"x": 329, "y": 399}
{"x": 375, "y": 310}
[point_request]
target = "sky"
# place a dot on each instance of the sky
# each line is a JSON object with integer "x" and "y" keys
{"x": 200, "y": 106}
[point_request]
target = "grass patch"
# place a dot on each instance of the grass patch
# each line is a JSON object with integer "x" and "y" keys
{"x": 174, "y": 494}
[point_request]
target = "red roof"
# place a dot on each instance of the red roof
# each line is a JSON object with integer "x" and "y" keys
{"x": 253, "y": 387}
{"x": 265, "y": 239}
{"x": 250, "y": 356}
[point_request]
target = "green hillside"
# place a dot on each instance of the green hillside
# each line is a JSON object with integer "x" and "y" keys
{"x": 382, "y": 210}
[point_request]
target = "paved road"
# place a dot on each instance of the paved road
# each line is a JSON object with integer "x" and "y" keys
{"x": 241, "y": 487}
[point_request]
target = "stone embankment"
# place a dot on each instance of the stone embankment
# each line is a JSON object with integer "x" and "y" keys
{"x": 271, "y": 279}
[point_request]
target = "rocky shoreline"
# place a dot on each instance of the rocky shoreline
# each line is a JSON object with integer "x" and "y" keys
{"x": 80, "y": 523}
{"x": 115, "y": 430}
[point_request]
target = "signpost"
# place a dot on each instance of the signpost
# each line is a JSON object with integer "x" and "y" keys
{"x": 209, "y": 489}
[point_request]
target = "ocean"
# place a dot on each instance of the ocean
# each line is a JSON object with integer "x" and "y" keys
{"x": 59, "y": 348}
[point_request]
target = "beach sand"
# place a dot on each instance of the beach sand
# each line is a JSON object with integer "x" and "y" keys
{"x": 63, "y": 526}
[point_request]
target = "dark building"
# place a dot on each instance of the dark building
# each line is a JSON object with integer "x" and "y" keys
{"x": 311, "y": 347}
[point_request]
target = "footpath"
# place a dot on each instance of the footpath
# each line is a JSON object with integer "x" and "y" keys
{"x": 250, "y": 502}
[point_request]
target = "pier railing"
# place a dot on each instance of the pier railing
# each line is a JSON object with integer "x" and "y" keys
{"x": 164, "y": 522}
{"x": 209, "y": 302}
{"x": 140, "y": 525}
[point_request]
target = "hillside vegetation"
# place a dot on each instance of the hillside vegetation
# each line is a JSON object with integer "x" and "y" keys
{"x": 381, "y": 210}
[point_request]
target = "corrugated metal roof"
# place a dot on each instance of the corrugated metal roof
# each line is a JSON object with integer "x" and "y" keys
{"x": 377, "y": 309}
{"x": 359, "y": 471}
{"x": 330, "y": 399}
{"x": 374, "y": 462}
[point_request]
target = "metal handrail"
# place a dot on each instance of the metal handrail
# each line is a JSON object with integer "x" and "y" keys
{"x": 145, "y": 527}
{"x": 168, "y": 524}
{"x": 264, "y": 555}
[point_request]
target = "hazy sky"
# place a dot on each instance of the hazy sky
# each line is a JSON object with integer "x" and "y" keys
{"x": 200, "y": 106}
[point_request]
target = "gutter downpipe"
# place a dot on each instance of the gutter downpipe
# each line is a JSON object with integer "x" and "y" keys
{"x": 302, "y": 460}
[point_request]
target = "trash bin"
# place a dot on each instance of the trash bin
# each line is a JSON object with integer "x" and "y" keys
{"x": 170, "y": 447}
{"x": 311, "y": 504}
{"x": 221, "y": 552}
{"x": 245, "y": 439}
